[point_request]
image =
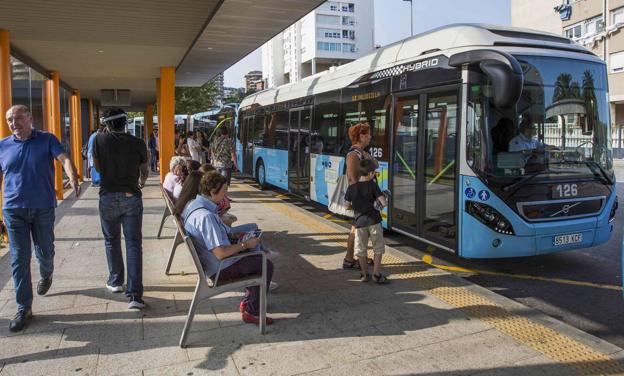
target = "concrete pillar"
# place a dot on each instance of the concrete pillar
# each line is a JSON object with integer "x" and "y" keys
{"x": 6, "y": 100}
{"x": 166, "y": 117}
{"x": 54, "y": 122}
{"x": 76, "y": 132}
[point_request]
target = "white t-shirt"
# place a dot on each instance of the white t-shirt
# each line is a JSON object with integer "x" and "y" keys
{"x": 177, "y": 189}
{"x": 170, "y": 182}
{"x": 194, "y": 149}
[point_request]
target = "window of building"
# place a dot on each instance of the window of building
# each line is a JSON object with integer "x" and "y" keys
{"x": 348, "y": 34}
{"x": 327, "y": 20}
{"x": 585, "y": 28}
{"x": 616, "y": 62}
{"x": 327, "y": 46}
{"x": 348, "y": 20}
{"x": 333, "y": 5}
{"x": 618, "y": 15}
{"x": 327, "y": 33}
{"x": 348, "y": 47}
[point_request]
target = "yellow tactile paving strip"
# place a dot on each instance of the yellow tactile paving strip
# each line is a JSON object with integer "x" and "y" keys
{"x": 581, "y": 358}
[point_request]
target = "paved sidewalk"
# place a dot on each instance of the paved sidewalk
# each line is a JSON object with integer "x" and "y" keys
{"x": 425, "y": 321}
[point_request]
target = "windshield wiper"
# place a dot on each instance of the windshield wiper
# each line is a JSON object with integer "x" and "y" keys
{"x": 522, "y": 180}
{"x": 593, "y": 165}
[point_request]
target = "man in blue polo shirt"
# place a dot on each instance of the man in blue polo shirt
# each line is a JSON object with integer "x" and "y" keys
{"x": 27, "y": 170}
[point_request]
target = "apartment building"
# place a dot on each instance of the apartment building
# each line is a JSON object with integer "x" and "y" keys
{"x": 596, "y": 24}
{"x": 253, "y": 81}
{"x": 335, "y": 33}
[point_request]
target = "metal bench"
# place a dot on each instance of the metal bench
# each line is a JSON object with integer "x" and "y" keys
{"x": 207, "y": 288}
{"x": 177, "y": 240}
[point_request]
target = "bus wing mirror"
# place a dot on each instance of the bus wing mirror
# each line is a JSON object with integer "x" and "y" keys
{"x": 502, "y": 69}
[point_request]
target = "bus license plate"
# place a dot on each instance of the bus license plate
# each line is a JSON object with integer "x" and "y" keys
{"x": 567, "y": 239}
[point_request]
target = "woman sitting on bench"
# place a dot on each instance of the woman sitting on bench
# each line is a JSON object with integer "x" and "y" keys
{"x": 211, "y": 239}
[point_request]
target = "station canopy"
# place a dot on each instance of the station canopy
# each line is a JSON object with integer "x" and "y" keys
{"x": 121, "y": 44}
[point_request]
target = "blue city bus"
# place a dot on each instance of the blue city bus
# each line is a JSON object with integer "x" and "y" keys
{"x": 494, "y": 141}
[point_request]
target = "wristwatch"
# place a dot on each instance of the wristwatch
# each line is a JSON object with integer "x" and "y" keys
{"x": 243, "y": 245}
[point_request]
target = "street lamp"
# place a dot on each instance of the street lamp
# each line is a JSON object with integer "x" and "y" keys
{"x": 411, "y": 17}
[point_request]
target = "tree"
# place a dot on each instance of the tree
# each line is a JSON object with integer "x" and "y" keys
{"x": 190, "y": 100}
{"x": 565, "y": 88}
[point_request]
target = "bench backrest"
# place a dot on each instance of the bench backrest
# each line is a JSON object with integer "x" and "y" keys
{"x": 167, "y": 198}
{"x": 191, "y": 247}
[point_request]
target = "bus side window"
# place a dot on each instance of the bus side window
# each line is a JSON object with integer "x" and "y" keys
{"x": 281, "y": 130}
{"x": 325, "y": 128}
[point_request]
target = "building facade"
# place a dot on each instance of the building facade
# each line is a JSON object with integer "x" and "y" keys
{"x": 596, "y": 24}
{"x": 335, "y": 33}
{"x": 219, "y": 83}
{"x": 251, "y": 80}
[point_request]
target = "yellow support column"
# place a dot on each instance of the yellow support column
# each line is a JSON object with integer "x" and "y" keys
{"x": 54, "y": 122}
{"x": 166, "y": 117}
{"x": 148, "y": 122}
{"x": 91, "y": 123}
{"x": 6, "y": 100}
{"x": 76, "y": 132}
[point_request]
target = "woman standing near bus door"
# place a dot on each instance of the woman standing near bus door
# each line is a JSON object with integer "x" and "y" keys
{"x": 360, "y": 136}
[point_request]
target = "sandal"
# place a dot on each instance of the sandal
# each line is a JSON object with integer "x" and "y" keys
{"x": 364, "y": 277}
{"x": 354, "y": 264}
{"x": 380, "y": 279}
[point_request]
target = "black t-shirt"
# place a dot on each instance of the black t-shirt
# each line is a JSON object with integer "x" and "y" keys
{"x": 362, "y": 196}
{"x": 119, "y": 156}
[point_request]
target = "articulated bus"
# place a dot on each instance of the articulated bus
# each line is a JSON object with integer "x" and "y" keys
{"x": 494, "y": 141}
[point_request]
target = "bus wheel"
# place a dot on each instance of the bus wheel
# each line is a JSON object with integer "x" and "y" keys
{"x": 261, "y": 175}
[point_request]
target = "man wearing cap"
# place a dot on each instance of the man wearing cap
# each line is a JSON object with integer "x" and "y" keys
{"x": 27, "y": 171}
{"x": 122, "y": 162}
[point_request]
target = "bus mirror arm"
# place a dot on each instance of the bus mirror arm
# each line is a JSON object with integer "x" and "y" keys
{"x": 502, "y": 69}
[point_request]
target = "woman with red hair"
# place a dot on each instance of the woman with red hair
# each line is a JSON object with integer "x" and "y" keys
{"x": 360, "y": 136}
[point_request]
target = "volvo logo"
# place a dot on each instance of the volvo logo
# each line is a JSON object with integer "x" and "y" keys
{"x": 565, "y": 209}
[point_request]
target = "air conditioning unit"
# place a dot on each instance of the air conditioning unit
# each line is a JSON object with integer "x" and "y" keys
{"x": 115, "y": 97}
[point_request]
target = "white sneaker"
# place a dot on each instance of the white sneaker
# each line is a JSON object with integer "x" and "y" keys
{"x": 136, "y": 303}
{"x": 114, "y": 289}
{"x": 273, "y": 286}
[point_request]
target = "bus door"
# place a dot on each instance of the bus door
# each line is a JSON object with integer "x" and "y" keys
{"x": 424, "y": 168}
{"x": 247, "y": 142}
{"x": 299, "y": 150}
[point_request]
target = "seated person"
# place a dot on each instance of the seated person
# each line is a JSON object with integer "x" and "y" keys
{"x": 525, "y": 140}
{"x": 175, "y": 176}
{"x": 210, "y": 237}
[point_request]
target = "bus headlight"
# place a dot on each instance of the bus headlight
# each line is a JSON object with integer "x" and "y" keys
{"x": 489, "y": 217}
{"x": 614, "y": 209}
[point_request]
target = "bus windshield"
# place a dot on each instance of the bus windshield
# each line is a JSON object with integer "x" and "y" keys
{"x": 559, "y": 128}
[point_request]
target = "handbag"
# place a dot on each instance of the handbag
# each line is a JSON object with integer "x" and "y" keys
{"x": 337, "y": 203}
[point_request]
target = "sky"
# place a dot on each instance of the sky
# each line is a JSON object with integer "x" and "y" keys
{"x": 392, "y": 23}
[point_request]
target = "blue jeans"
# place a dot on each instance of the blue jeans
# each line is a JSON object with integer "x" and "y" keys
{"x": 21, "y": 224}
{"x": 123, "y": 210}
{"x": 153, "y": 159}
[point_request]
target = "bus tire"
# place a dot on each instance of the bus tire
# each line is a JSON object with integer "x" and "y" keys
{"x": 261, "y": 174}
